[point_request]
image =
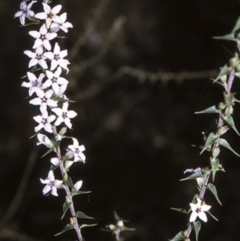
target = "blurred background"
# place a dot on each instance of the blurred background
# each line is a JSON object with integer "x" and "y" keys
{"x": 139, "y": 69}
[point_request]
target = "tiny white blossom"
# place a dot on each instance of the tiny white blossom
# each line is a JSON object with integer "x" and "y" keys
{"x": 51, "y": 184}
{"x": 42, "y": 37}
{"x": 78, "y": 185}
{"x": 62, "y": 24}
{"x": 34, "y": 83}
{"x": 61, "y": 92}
{"x": 43, "y": 139}
{"x": 44, "y": 121}
{"x": 198, "y": 210}
{"x": 49, "y": 14}
{"x": 36, "y": 58}
{"x": 54, "y": 80}
{"x": 55, "y": 161}
{"x": 44, "y": 100}
{"x": 25, "y": 12}
{"x": 77, "y": 151}
{"x": 57, "y": 58}
{"x": 64, "y": 115}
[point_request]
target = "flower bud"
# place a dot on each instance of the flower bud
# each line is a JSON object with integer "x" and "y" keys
{"x": 233, "y": 62}
{"x": 215, "y": 152}
{"x": 228, "y": 111}
{"x": 222, "y": 130}
{"x": 221, "y": 106}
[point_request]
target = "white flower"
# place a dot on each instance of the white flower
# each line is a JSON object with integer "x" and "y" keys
{"x": 44, "y": 100}
{"x": 64, "y": 115}
{"x": 62, "y": 24}
{"x": 36, "y": 58}
{"x": 77, "y": 151}
{"x": 198, "y": 210}
{"x": 51, "y": 184}
{"x": 57, "y": 58}
{"x": 55, "y": 161}
{"x": 34, "y": 83}
{"x": 54, "y": 80}
{"x": 44, "y": 121}
{"x": 78, "y": 185}
{"x": 49, "y": 14}
{"x": 61, "y": 92}
{"x": 25, "y": 12}
{"x": 43, "y": 139}
{"x": 42, "y": 37}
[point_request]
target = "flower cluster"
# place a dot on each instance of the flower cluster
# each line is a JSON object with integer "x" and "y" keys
{"x": 46, "y": 86}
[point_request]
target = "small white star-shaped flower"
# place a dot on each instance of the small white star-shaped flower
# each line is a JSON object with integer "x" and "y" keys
{"x": 54, "y": 80}
{"x": 36, "y": 58}
{"x": 64, "y": 115}
{"x": 34, "y": 83}
{"x": 44, "y": 100}
{"x": 57, "y": 58}
{"x": 198, "y": 210}
{"x": 43, "y": 139}
{"x": 76, "y": 151}
{"x": 25, "y": 12}
{"x": 51, "y": 184}
{"x": 62, "y": 24}
{"x": 44, "y": 121}
{"x": 49, "y": 14}
{"x": 42, "y": 37}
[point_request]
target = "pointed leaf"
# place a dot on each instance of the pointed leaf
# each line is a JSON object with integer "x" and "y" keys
{"x": 209, "y": 110}
{"x": 229, "y": 37}
{"x": 68, "y": 181}
{"x": 213, "y": 189}
{"x": 237, "y": 26}
{"x": 197, "y": 227}
{"x": 212, "y": 215}
{"x": 215, "y": 166}
{"x": 234, "y": 99}
{"x": 224, "y": 143}
{"x": 229, "y": 99}
{"x": 80, "y": 192}
{"x": 178, "y": 237}
{"x": 87, "y": 225}
{"x": 47, "y": 152}
{"x": 193, "y": 176}
{"x": 231, "y": 123}
{"x": 224, "y": 71}
{"x": 65, "y": 229}
{"x": 80, "y": 214}
{"x": 181, "y": 210}
{"x": 117, "y": 218}
{"x": 210, "y": 140}
{"x": 66, "y": 206}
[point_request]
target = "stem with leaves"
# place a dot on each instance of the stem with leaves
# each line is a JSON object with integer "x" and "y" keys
{"x": 214, "y": 142}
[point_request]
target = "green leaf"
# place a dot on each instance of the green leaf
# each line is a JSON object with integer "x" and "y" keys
{"x": 209, "y": 110}
{"x": 87, "y": 225}
{"x": 236, "y": 26}
{"x": 65, "y": 229}
{"x": 212, "y": 216}
{"x": 47, "y": 152}
{"x": 80, "y": 214}
{"x": 213, "y": 189}
{"x": 193, "y": 176}
{"x": 181, "y": 210}
{"x": 231, "y": 123}
{"x": 229, "y": 99}
{"x": 75, "y": 193}
{"x": 210, "y": 140}
{"x": 224, "y": 71}
{"x": 215, "y": 166}
{"x": 197, "y": 227}
{"x": 229, "y": 37}
{"x": 68, "y": 181}
{"x": 178, "y": 237}
{"x": 66, "y": 206}
{"x": 117, "y": 218}
{"x": 224, "y": 143}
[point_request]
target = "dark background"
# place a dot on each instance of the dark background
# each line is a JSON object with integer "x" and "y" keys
{"x": 137, "y": 124}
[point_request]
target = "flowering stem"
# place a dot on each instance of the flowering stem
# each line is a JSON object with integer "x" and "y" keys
{"x": 74, "y": 220}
